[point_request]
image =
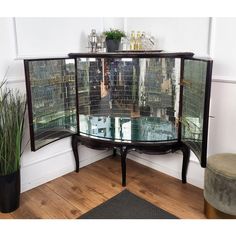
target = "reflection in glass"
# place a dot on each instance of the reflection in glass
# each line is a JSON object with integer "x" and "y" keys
{"x": 53, "y": 99}
{"x": 193, "y": 104}
{"x": 127, "y": 128}
{"x": 129, "y": 99}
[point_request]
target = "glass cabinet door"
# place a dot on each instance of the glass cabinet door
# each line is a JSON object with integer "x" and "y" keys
{"x": 51, "y": 99}
{"x": 195, "y": 105}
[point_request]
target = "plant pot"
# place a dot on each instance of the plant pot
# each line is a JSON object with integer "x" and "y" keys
{"x": 112, "y": 45}
{"x": 10, "y": 192}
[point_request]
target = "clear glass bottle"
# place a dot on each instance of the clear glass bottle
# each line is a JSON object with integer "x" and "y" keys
{"x": 138, "y": 41}
{"x": 128, "y": 41}
{"x": 126, "y": 44}
{"x": 150, "y": 41}
{"x": 132, "y": 40}
{"x": 144, "y": 41}
{"x": 123, "y": 44}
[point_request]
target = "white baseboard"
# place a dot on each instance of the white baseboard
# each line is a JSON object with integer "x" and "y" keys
{"x": 38, "y": 173}
{"x": 195, "y": 175}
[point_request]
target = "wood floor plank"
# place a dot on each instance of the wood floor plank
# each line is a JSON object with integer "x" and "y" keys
{"x": 96, "y": 184}
{"x": 6, "y": 216}
{"x": 183, "y": 200}
{"x": 107, "y": 165}
{"x": 52, "y": 204}
{"x": 28, "y": 208}
{"x": 76, "y": 193}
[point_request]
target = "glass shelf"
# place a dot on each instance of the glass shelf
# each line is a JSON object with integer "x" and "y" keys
{"x": 142, "y": 129}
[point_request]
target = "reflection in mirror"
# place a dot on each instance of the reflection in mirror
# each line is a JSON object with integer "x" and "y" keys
{"x": 129, "y": 98}
{"x": 193, "y": 104}
{"x": 53, "y": 99}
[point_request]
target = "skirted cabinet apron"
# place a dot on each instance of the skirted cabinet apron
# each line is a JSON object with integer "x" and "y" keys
{"x": 152, "y": 102}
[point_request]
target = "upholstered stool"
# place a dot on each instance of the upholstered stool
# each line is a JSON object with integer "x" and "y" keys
{"x": 220, "y": 186}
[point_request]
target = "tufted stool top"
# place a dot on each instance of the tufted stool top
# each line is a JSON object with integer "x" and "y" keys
{"x": 224, "y": 163}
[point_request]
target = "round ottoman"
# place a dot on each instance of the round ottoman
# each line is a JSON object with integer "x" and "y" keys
{"x": 220, "y": 186}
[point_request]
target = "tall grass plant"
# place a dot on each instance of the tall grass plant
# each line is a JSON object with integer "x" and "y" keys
{"x": 12, "y": 111}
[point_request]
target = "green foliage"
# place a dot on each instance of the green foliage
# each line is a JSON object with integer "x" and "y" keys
{"x": 114, "y": 34}
{"x": 12, "y": 111}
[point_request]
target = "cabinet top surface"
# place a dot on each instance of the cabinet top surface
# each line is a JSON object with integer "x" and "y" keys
{"x": 122, "y": 54}
{"x": 138, "y": 54}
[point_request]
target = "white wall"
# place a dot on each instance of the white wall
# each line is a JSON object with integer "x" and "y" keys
{"x": 222, "y": 131}
{"x": 36, "y": 37}
{"x": 215, "y": 37}
{"x": 26, "y": 37}
{"x": 54, "y": 36}
{"x": 45, "y": 37}
{"x": 224, "y": 48}
{"x": 6, "y": 45}
{"x": 175, "y": 34}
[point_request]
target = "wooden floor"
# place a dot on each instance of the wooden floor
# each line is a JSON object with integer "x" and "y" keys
{"x": 76, "y": 193}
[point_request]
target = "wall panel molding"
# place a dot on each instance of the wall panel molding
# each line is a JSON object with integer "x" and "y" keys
{"x": 211, "y": 36}
{"x": 223, "y": 79}
{"x": 15, "y": 37}
{"x": 15, "y": 80}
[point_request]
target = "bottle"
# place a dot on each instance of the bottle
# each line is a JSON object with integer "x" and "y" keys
{"x": 123, "y": 44}
{"x": 132, "y": 40}
{"x": 144, "y": 41}
{"x": 127, "y": 41}
{"x": 93, "y": 38}
{"x": 150, "y": 41}
{"x": 138, "y": 41}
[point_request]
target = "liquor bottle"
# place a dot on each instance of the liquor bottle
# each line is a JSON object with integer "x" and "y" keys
{"x": 132, "y": 40}
{"x": 138, "y": 41}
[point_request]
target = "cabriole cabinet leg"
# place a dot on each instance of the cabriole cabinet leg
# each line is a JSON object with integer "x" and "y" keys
{"x": 186, "y": 156}
{"x": 114, "y": 152}
{"x": 74, "y": 143}
{"x": 123, "y": 153}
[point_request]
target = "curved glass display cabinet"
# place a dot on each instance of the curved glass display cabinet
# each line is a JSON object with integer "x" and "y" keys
{"x": 147, "y": 101}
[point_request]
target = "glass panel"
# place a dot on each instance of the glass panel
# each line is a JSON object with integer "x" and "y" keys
{"x": 53, "y": 99}
{"x": 129, "y": 99}
{"x": 195, "y": 73}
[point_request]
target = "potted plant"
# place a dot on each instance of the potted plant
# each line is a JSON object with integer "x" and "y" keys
{"x": 113, "y": 37}
{"x": 12, "y": 111}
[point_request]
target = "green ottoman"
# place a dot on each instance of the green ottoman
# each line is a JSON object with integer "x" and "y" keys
{"x": 220, "y": 186}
